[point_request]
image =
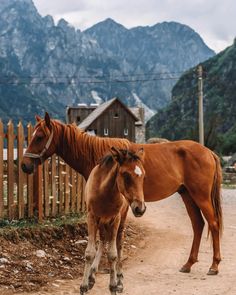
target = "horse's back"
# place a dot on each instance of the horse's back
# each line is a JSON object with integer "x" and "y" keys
{"x": 173, "y": 164}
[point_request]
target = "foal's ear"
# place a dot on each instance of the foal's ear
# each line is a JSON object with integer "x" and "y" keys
{"x": 116, "y": 154}
{"x": 47, "y": 119}
{"x": 140, "y": 153}
{"x": 38, "y": 118}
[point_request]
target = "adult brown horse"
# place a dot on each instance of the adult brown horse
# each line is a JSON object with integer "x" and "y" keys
{"x": 183, "y": 166}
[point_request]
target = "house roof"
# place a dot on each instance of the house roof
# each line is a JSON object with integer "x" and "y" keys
{"x": 100, "y": 110}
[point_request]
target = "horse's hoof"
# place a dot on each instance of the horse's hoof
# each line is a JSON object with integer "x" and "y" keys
{"x": 91, "y": 282}
{"x": 185, "y": 269}
{"x": 119, "y": 288}
{"x": 212, "y": 272}
{"x": 84, "y": 289}
{"x": 113, "y": 289}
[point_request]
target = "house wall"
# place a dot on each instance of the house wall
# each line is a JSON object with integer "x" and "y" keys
{"x": 78, "y": 114}
{"x": 115, "y": 122}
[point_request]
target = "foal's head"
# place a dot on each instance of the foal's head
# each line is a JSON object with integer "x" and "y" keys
{"x": 41, "y": 145}
{"x": 130, "y": 178}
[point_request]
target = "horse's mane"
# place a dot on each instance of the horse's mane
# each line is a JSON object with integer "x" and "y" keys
{"x": 87, "y": 145}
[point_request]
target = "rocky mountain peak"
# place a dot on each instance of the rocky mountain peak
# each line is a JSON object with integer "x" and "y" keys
{"x": 68, "y": 66}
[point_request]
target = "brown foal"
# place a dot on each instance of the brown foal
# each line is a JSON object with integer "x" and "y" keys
{"x": 112, "y": 186}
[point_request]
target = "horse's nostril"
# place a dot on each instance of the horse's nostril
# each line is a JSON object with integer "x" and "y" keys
{"x": 137, "y": 210}
{"x": 23, "y": 167}
{"x": 27, "y": 168}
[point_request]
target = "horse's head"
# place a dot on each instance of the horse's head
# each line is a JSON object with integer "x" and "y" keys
{"x": 41, "y": 145}
{"x": 130, "y": 178}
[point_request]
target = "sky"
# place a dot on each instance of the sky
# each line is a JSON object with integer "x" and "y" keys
{"x": 213, "y": 20}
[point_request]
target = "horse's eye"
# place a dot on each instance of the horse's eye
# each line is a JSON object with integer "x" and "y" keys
{"x": 39, "y": 138}
{"x": 127, "y": 178}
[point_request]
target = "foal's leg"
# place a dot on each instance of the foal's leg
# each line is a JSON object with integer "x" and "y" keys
{"x": 112, "y": 255}
{"x": 119, "y": 245}
{"x": 94, "y": 267}
{"x": 89, "y": 252}
{"x": 198, "y": 225}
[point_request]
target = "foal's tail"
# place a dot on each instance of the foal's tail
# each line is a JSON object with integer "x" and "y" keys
{"x": 216, "y": 193}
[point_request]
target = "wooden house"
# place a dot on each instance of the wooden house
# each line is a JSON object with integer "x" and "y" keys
{"x": 110, "y": 119}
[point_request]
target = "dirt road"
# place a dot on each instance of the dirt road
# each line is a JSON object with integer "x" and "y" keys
{"x": 167, "y": 242}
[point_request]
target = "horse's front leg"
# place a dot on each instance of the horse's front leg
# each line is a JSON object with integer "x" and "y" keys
{"x": 89, "y": 252}
{"x": 94, "y": 267}
{"x": 119, "y": 245}
{"x": 112, "y": 255}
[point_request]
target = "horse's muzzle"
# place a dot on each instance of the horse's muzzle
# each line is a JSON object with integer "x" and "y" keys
{"x": 138, "y": 208}
{"x": 27, "y": 168}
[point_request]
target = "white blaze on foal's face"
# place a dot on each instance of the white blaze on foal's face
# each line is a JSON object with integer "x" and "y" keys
{"x": 138, "y": 171}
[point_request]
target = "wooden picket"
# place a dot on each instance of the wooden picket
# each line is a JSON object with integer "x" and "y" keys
{"x": 10, "y": 169}
{"x": 1, "y": 169}
{"x": 20, "y": 175}
{"x": 54, "y": 189}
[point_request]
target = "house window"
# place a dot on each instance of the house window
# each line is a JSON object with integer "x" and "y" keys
{"x": 126, "y": 131}
{"x": 78, "y": 119}
{"x": 106, "y": 132}
{"x": 116, "y": 116}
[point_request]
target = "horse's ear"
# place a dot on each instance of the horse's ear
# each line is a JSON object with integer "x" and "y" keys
{"x": 47, "y": 119}
{"x": 38, "y": 118}
{"x": 140, "y": 153}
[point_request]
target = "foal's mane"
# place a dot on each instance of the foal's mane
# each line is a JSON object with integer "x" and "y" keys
{"x": 124, "y": 156}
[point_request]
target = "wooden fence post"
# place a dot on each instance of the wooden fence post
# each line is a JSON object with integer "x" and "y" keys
{"x": 29, "y": 178}
{"x": 10, "y": 169}
{"x": 53, "y": 185}
{"x": 61, "y": 186}
{"x": 20, "y": 175}
{"x": 46, "y": 188}
{"x": 67, "y": 190}
{"x": 1, "y": 170}
{"x": 38, "y": 193}
{"x": 72, "y": 190}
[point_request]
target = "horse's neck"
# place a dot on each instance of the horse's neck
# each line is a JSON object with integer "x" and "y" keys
{"x": 108, "y": 178}
{"x": 76, "y": 148}
{"x": 108, "y": 188}
{"x": 80, "y": 150}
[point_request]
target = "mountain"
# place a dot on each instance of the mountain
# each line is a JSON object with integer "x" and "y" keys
{"x": 46, "y": 66}
{"x": 179, "y": 120}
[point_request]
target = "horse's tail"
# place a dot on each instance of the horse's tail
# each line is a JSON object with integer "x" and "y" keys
{"x": 216, "y": 193}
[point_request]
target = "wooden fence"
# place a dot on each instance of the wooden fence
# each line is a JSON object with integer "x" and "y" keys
{"x": 54, "y": 189}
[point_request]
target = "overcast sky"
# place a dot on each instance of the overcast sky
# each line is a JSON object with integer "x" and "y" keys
{"x": 214, "y": 20}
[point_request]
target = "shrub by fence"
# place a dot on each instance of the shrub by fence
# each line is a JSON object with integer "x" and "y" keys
{"x": 54, "y": 189}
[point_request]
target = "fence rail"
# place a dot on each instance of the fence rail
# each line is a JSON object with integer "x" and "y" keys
{"x": 54, "y": 189}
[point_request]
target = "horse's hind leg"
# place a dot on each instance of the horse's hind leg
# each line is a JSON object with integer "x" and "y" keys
{"x": 208, "y": 212}
{"x": 197, "y": 225}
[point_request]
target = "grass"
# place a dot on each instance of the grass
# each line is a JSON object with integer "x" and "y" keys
{"x": 229, "y": 185}
{"x": 50, "y": 222}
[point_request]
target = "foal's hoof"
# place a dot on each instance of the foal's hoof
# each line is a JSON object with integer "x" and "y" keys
{"x": 119, "y": 288}
{"x": 113, "y": 289}
{"x": 212, "y": 272}
{"x": 84, "y": 289}
{"x": 91, "y": 282}
{"x": 185, "y": 269}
